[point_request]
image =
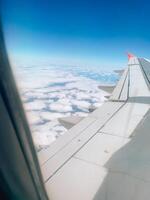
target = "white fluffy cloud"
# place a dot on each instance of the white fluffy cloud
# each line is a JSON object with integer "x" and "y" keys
{"x": 60, "y": 107}
{"x": 81, "y": 104}
{"x": 35, "y": 105}
{"x": 33, "y": 117}
{"x": 50, "y": 116}
{"x": 50, "y": 92}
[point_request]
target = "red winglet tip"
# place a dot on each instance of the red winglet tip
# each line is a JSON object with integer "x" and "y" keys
{"x": 130, "y": 55}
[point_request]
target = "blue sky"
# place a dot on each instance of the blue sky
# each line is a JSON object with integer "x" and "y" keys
{"x": 88, "y": 32}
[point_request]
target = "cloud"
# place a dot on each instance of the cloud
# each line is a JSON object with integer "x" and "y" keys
{"x": 81, "y": 104}
{"x": 33, "y": 117}
{"x": 60, "y": 107}
{"x": 49, "y": 92}
{"x": 50, "y": 116}
{"x": 35, "y": 105}
{"x": 42, "y": 140}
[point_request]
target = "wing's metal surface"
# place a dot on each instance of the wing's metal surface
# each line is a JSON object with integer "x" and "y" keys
{"x": 69, "y": 122}
{"x": 107, "y": 88}
{"x": 120, "y": 93}
{"x": 106, "y": 156}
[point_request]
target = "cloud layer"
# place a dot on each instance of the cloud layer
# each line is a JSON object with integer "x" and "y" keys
{"x": 49, "y": 92}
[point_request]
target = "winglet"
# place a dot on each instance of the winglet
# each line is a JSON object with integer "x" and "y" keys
{"x": 130, "y": 56}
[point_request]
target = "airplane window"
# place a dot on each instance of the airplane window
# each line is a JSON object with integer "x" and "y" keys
{"x": 86, "y": 103}
{"x": 58, "y": 83}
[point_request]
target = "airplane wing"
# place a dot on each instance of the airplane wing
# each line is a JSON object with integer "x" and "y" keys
{"x": 107, "y": 154}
